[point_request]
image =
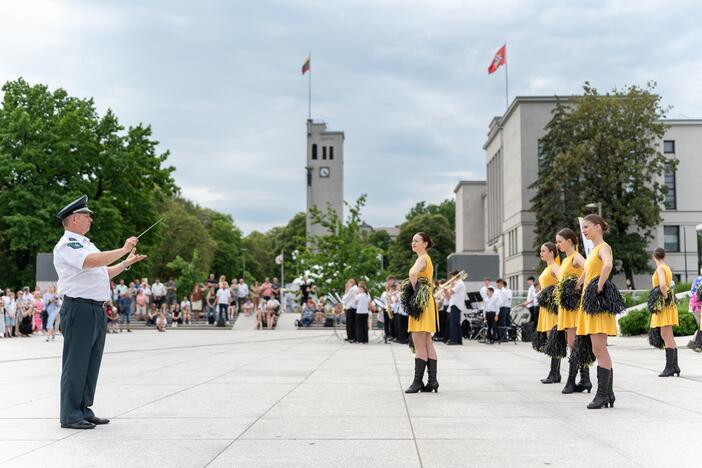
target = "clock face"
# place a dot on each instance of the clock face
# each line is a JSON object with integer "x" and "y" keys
{"x": 324, "y": 172}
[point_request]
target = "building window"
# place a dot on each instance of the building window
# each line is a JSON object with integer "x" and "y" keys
{"x": 669, "y": 146}
{"x": 331, "y": 152}
{"x": 324, "y": 152}
{"x": 670, "y": 198}
{"x": 671, "y": 238}
{"x": 314, "y": 151}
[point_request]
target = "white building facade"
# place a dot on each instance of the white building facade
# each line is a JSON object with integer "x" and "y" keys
{"x": 511, "y": 154}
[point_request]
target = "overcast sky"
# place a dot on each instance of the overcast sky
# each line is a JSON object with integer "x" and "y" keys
{"x": 407, "y": 81}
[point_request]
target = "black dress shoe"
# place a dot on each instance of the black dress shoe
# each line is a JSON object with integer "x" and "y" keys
{"x": 97, "y": 421}
{"x": 453, "y": 343}
{"x": 82, "y": 424}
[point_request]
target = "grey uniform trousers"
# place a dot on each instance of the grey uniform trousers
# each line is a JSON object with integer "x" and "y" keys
{"x": 84, "y": 326}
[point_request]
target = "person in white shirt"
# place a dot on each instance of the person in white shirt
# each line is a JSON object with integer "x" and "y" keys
{"x": 349, "y": 301}
{"x": 84, "y": 278}
{"x": 158, "y": 294}
{"x": 224, "y": 295}
{"x": 456, "y": 304}
{"x": 185, "y": 309}
{"x": 490, "y": 312}
{"x": 362, "y": 301}
{"x": 487, "y": 282}
{"x": 242, "y": 293}
{"x": 504, "y": 307}
{"x": 531, "y": 302}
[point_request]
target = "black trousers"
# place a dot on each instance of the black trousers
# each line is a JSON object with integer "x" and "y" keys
{"x": 351, "y": 324}
{"x": 388, "y": 325}
{"x": 503, "y": 323}
{"x": 491, "y": 325}
{"x": 402, "y": 322}
{"x": 534, "y": 315}
{"x": 361, "y": 328}
{"x": 84, "y": 326}
{"x": 455, "y": 325}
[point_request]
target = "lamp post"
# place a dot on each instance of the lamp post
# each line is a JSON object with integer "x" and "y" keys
{"x": 243, "y": 258}
{"x": 597, "y": 205}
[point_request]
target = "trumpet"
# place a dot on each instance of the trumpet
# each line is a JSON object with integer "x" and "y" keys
{"x": 462, "y": 275}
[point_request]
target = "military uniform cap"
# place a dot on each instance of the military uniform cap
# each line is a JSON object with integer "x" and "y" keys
{"x": 79, "y": 205}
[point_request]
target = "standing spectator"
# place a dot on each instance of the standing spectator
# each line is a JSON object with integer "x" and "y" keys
{"x": 275, "y": 286}
{"x": 266, "y": 290}
{"x": 211, "y": 304}
{"x": 158, "y": 294}
{"x": 10, "y": 304}
{"x": 233, "y": 303}
{"x": 120, "y": 289}
{"x": 490, "y": 311}
{"x": 211, "y": 281}
{"x": 242, "y": 293}
{"x": 170, "y": 292}
{"x": 185, "y": 308}
{"x": 51, "y": 305}
{"x": 308, "y": 312}
{"x": 2, "y": 315}
{"x": 456, "y": 303}
{"x": 140, "y": 305}
{"x": 256, "y": 294}
{"x": 146, "y": 289}
{"x": 362, "y": 300}
{"x": 125, "y": 311}
{"x": 223, "y": 297}
{"x": 504, "y": 306}
{"x": 349, "y": 301}
{"x": 196, "y": 298}
{"x": 39, "y": 319}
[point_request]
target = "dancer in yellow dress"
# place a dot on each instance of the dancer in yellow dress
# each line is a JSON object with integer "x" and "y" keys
{"x": 601, "y": 300}
{"x": 423, "y": 326}
{"x": 569, "y": 304}
{"x": 548, "y": 310}
{"x": 664, "y": 311}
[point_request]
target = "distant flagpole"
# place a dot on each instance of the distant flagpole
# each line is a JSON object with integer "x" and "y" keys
{"x": 506, "y": 80}
{"x": 309, "y": 93}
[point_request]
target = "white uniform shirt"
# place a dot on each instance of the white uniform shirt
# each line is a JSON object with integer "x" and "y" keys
{"x": 504, "y": 297}
{"x": 531, "y": 296}
{"x": 483, "y": 293}
{"x": 74, "y": 280}
{"x": 458, "y": 298}
{"x": 350, "y": 298}
{"x": 158, "y": 290}
{"x": 490, "y": 303}
{"x": 362, "y": 300}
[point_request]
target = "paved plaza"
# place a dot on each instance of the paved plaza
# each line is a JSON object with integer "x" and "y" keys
{"x": 289, "y": 398}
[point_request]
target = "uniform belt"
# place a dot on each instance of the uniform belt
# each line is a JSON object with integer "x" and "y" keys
{"x": 87, "y": 301}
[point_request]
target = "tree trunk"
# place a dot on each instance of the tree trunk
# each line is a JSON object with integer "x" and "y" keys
{"x": 628, "y": 273}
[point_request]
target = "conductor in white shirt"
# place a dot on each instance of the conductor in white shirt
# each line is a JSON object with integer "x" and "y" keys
{"x": 84, "y": 282}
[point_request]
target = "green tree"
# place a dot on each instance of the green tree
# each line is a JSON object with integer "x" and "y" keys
{"x": 288, "y": 239}
{"x": 605, "y": 148}
{"x": 446, "y": 208}
{"x": 187, "y": 273}
{"x": 437, "y": 226}
{"x": 341, "y": 254}
{"x": 260, "y": 257}
{"x": 53, "y": 148}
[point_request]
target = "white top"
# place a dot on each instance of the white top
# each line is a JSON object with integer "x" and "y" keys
{"x": 483, "y": 293}
{"x": 243, "y": 290}
{"x": 349, "y": 298}
{"x": 185, "y": 305}
{"x": 362, "y": 300}
{"x": 73, "y": 279}
{"x": 223, "y": 295}
{"x": 272, "y": 303}
{"x": 490, "y": 303}
{"x": 158, "y": 290}
{"x": 531, "y": 296}
{"x": 504, "y": 297}
{"x": 458, "y": 298}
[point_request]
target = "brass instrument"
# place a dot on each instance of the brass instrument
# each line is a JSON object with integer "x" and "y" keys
{"x": 388, "y": 305}
{"x": 461, "y": 276}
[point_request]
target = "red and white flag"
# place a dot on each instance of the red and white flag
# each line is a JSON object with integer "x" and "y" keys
{"x": 499, "y": 59}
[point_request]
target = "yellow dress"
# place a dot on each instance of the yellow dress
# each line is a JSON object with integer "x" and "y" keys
{"x": 547, "y": 319}
{"x": 604, "y": 322}
{"x": 669, "y": 315}
{"x": 427, "y": 322}
{"x": 568, "y": 318}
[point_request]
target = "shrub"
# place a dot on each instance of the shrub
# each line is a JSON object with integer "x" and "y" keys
{"x": 682, "y": 287}
{"x": 632, "y": 299}
{"x": 688, "y": 325}
{"x": 636, "y": 322}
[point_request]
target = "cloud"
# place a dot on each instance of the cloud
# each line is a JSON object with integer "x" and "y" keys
{"x": 407, "y": 82}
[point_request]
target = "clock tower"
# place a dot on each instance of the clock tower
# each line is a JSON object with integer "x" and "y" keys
{"x": 325, "y": 172}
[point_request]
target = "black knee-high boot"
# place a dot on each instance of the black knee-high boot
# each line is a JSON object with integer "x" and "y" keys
{"x": 585, "y": 383}
{"x": 669, "y": 370}
{"x": 604, "y": 396}
{"x": 554, "y": 375}
{"x": 419, "y": 366}
{"x": 570, "y": 383}
{"x": 675, "y": 362}
{"x": 432, "y": 384}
